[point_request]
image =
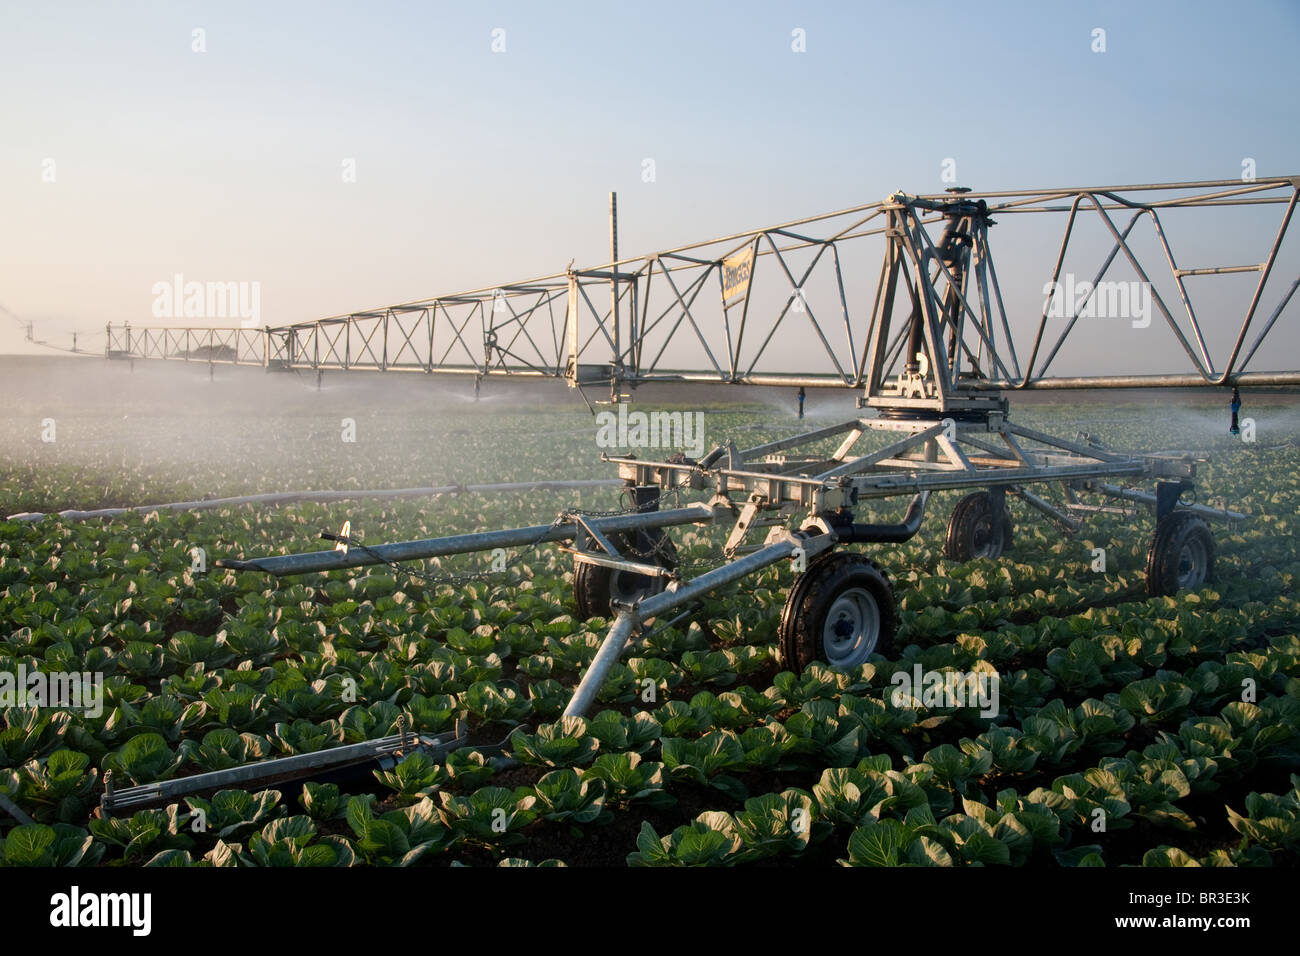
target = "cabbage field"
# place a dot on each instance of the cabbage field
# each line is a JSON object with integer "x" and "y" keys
{"x": 1130, "y": 730}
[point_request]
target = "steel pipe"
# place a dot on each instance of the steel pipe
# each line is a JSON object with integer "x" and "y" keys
{"x": 886, "y": 533}
{"x": 630, "y": 618}
{"x": 289, "y": 497}
{"x": 1146, "y": 498}
{"x": 333, "y": 758}
{"x": 610, "y": 650}
{"x": 727, "y": 574}
{"x": 1046, "y": 507}
{"x": 1244, "y": 379}
{"x": 361, "y": 555}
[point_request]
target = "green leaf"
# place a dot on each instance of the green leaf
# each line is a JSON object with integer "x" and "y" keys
{"x": 984, "y": 849}
{"x": 29, "y": 845}
{"x": 924, "y": 851}
{"x": 1167, "y": 856}
{"x": 565, "y": 743}
{"x": 877, "y": 843}
{"x": 172, "y": 858}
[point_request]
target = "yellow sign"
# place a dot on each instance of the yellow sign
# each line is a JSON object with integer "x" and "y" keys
{"x": 735, "y": 274}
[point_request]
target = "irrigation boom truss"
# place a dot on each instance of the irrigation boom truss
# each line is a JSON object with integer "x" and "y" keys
{"x": 719, "y": 311}
{"x": 934, "y": 362}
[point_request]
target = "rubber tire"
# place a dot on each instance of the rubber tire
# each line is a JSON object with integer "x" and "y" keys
{"x": 1173, "y": 533}
{"x": 972, "y": 511}
{"x": 803, "y": 620}
{"x": 591, "y": 582}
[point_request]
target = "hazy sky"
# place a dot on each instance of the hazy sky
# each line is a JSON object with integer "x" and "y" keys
{"x": 474, "y": 167}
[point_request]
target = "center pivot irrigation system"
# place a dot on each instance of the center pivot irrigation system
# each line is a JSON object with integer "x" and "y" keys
{"x": 934, "y": 364}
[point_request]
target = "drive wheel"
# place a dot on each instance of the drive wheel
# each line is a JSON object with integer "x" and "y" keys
{"x": 841, "y": 611}
{"x": 1182, "y": 554}
{"x": 970, "y": 531}
{"x": 594, "y": 586}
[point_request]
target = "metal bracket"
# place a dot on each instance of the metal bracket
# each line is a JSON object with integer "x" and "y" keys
{"x": 618, "y": 564}
{"x": 1167, "y": 495}
{"x": 810, "y": 544}
{"x": 595, "y": 534}
{"x": 997, "y": 503}
{"x": 746, "y": 518}
{"x": 752, "y": 516}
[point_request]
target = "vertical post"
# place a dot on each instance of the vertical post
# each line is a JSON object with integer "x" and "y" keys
{"x": 571, "y": 327}
{"x": 645, "y": 497}
{"x": 615, "y": 384}
{"x": 431, "y": 315}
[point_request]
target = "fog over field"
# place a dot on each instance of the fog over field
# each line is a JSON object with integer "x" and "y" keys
{"x": 248, "y": 431}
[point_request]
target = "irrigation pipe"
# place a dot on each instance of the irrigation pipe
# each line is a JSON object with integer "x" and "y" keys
{"x": 284, "y": 497}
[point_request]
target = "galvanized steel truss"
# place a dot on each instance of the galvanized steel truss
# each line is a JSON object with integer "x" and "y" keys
{"x": 670, "y": 316}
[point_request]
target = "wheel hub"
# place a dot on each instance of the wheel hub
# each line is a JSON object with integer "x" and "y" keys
{"x": 852, "y": 628}
{"x": 1191, "y": 565}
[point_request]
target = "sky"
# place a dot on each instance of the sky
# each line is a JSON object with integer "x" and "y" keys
{"x": 346, "y": 156}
